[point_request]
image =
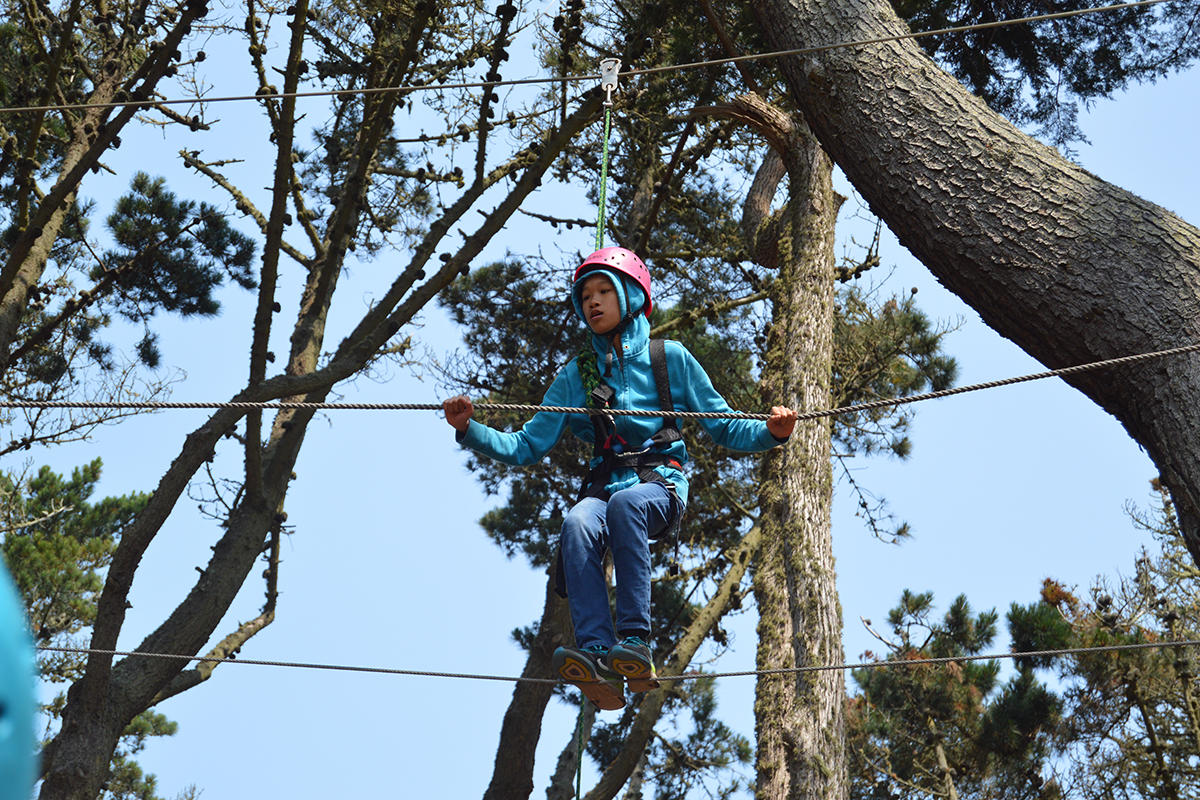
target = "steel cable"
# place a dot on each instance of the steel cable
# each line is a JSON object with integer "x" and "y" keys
{"x": 686, "y": 676}
{"x": 146, "y": 103}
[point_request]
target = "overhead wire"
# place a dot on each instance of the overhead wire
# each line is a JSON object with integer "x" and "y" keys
{"x": 251, "y": 405}
{"x": 684, "y": 676}
{"x": 558, "y": 79}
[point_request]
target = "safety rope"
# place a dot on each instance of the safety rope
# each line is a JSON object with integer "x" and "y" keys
{"x": 686, "y": 676}
{"x": 578, "y": 78}
{"x": 608, "y": 83}
{"x": 579, "y": 754}
{"x": 603, "y": 180}
{"x": 156, "y": 405}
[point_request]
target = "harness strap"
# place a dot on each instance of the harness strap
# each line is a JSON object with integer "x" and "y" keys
{"x": 662, "y": 381}
{"x": 643, "y": 461}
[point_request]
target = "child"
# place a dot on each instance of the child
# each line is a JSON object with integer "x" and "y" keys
{"x": 636, "y": 488}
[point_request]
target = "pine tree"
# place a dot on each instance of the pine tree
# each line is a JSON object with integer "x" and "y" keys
{"x": 1131, "y": 721}
{"x": 948, "y": 730}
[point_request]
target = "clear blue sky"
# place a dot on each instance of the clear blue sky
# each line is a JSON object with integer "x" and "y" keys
{"x": 388, "y": 567}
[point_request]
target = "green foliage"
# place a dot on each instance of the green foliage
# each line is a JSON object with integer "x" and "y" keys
{"x": 57, "y": 544}
{"x": 23, "y": 80}
{"x": 695, "y": 751}
{"x": 1119, "y": 725}
{"x": 1131, "y": 722}
{"x": 907, "y": 721}
{"x": 885, "y": 350}
{"x": 171, "y": 255}
{"x": 706, "y": 757}
{"x": 1039, "y": 74}
{"x": 1039, "y": 626}
{"x": 127, "y": 780}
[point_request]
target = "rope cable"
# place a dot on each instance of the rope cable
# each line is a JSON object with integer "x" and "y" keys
{"x": 144, "y": 103}
{"x": 579, "y": 753}
{"x": 603, "y": 178}
{"x": 610, "y": 69}
{"x": 631, "y": 412}
{"x": 686, "y": 676}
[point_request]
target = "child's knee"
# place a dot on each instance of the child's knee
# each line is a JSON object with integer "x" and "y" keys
{"x": 580, "y": 522}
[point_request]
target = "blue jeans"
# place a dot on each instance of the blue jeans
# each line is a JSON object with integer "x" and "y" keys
{"x": 624, "y": 525}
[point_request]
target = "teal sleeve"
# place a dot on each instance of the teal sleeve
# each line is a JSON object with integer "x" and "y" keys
{"x": 535, "y": 438}
{"x": 745, "y": 435}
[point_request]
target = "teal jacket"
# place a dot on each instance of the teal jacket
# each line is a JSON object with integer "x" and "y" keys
{"x": 633, "y": 381}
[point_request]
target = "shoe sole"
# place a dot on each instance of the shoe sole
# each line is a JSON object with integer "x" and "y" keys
{"x": 640, "y": 676}
{"x": 603, "y": 694}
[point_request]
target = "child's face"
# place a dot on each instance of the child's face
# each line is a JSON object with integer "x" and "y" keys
{"x": 601, "y": 308}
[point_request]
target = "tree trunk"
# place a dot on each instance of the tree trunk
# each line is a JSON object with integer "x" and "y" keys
{"x": 799, "y": 721}
{"x": 512, "y": 776}
{"x": 1070, "y": 268}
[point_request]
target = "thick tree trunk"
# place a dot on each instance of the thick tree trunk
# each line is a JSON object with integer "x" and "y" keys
{"x": 1069, "y": 267}
{"x": 799, "y": 721}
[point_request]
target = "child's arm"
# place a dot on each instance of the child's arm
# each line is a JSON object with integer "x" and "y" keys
{"x": 745, "y": 435}
{"x": 533, "y": 440}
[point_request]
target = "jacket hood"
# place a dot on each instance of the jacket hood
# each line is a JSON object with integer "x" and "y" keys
{"x": 634, "y": 327}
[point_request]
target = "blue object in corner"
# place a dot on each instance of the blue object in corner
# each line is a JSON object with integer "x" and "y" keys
{"x": 17, "y": 696}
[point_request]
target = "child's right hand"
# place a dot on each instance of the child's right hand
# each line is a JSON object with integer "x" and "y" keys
{"x": 459, "y": 412}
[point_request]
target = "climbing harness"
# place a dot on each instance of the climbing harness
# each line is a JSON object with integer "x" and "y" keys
{"x": 608, "y": 445}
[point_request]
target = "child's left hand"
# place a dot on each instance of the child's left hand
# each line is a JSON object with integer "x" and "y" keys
{"x": 782, "y": 422}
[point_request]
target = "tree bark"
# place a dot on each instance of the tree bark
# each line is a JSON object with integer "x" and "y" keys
{"x": 799, "y": 719}
{"x": 1070, "y": 268}
{"x": 566, "y": 771}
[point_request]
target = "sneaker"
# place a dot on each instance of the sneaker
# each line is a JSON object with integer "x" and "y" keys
{"x": 632, "y": 660}
{"x": 587, "y": 670}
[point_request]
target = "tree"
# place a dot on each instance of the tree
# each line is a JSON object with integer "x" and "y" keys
{"x": 1131, "y": 722}
{"x": 1037, "y": 75}
{"x": 364, "y": 187}
{"x": 1044, "y": 251}
{"x": 1117, "y": 724}
{"x": 59, "y": 292}
{"x": 948, "y": 730}
{"x": 57, "y": 544}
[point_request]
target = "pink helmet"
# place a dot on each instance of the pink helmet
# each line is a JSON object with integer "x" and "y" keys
{"x": 626, "y": 262}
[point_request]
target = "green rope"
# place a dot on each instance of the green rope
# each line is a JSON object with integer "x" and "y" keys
{"x": 603, "y": 177}
{"x": 579, "y": 739}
